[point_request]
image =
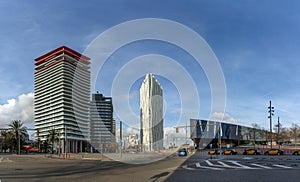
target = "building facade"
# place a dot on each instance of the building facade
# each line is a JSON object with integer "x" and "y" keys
{"x": 102, "y": 126}
{"x": 151, "y": 114}
{"x": 212, "y": 134}
{"x": 62, "y": 98}
{"x": 132, "y": 141}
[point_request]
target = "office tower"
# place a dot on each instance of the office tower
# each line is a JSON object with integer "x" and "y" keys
{"x": 62, "y": 98}
{"x": 151, "y": 114}
{"x": 102, "y": 128}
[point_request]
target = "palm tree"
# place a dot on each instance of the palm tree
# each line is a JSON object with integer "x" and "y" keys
{"x": 5, "y": 143}
{"x": 17, "y": 133}
{"x": 53, "y": 137}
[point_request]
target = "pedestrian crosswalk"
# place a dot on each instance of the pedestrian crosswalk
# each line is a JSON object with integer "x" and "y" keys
{"x": 2, "y": 159}
{"x": 231, "y": 164}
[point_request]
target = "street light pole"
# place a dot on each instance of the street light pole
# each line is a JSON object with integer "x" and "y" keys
{"x": 271, "y": 112}
{"x": 121, "y": 139}
{"x": 278, "y": 131}
{"x": 66, "y": 146}
{"x": 19, "y": 143}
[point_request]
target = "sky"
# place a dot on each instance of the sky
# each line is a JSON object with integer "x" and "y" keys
{"x": 255, "y": 42}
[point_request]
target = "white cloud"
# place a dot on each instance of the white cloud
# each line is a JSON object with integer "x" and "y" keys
{"x": 21, "y": 108}
{"x": 219, "y": 116}
{"x": 133, "y": 130}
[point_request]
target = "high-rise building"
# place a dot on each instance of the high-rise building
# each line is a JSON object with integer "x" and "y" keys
{"x": 151, "y": 114}
{"x": 62, "y": 98}
{"x": 102, "y": 128}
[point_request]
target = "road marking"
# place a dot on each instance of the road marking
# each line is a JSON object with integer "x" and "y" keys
{"x": 185, "y": 167}
{"x": 282, "y": 166}
{"x": 236, "y": 165}
{"x": 258, "y": 165}
{"x": 206, "y": 167}
{"x": 1, "y": 161}
{"x": 222, "y": 165}
{"x": 242, "y": 166}
{"x": 225, "y": 165}
{"x": 247, "y": 158}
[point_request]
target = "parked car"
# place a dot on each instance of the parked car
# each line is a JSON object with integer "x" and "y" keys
{"x": 274, "y": 152}
{"x": 229, "y": 152}
{"x": 182, "y": 152}
{"x": 251, "y": 152}
{"x": 215, "y": 152}
{"x": 296, "y": 152}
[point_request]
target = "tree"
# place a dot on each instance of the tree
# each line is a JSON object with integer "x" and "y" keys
{"x": 5, "y": 143}
{"x": 294, "y": 132}
{"x": 18, "y": 134}
{"x": 254, "y": 133}
{"x": 53, "y": 137}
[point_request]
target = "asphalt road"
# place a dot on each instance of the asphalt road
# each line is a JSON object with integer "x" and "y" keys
{"x": 197, "y": 167}
{"x": 200, "y": 167}
{"x": 38, "y": 168}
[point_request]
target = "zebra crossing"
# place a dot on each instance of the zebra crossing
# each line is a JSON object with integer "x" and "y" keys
{"x": 231, "y": 164}
{"x": 2, "y": 159}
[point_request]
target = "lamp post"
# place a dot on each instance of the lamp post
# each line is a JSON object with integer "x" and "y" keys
{"x": 278, "y": 131}
{"x": 271, "y": 113}
{"x": 121, "y": 139}
{"x": 19, "y": 143}
{"x": 65, "y": 144}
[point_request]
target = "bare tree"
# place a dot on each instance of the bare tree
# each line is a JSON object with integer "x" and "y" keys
{"x": 294, "y": 132}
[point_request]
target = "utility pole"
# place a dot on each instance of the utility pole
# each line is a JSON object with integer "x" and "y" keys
{"x": 19, "y": 143}
{"x": 278, "y": 131}
{"x": 121, "y": 139}
{"x": 66, "y": 146}
{"x": 271, "y": 112}
{"x": 186, "y": 132}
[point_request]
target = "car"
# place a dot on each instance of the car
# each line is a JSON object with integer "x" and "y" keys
{"x": 229, "y": 152}
{"x": 296, "y": 152}
{"x": 215, "y": 152}
{"x": 274, "y": 152}
{"x": 251, "y": 152}
{"x": 182, "y": 152}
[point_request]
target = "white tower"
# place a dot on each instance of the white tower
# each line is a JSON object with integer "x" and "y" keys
{"x": 151, "y": 114}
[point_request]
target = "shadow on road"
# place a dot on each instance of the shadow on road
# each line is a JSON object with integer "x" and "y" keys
{"x": 157, "y": 176}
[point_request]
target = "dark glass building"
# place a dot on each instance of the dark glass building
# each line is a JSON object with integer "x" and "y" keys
{"x": 102, "y": 125}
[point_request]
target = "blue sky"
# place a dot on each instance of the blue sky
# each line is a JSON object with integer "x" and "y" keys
{"x": 256, "y": 42}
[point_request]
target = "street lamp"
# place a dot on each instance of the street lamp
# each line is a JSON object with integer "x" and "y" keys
{"x": 271, "y": 112}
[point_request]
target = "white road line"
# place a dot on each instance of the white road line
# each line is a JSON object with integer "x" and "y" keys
{"x": 286, "y": 167}
{"x": 225, "y": 165}
{"x": 258, "y": 165}
{"x": 1, "y": 159}
{"x": 222, "y": 165}
{"x": 206, "y": 167}
{"x": 8, "y": 160}
{"x": 185, "y": 167}
{"x": 211, "y": 164}
{"x": 242, "y": 166}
